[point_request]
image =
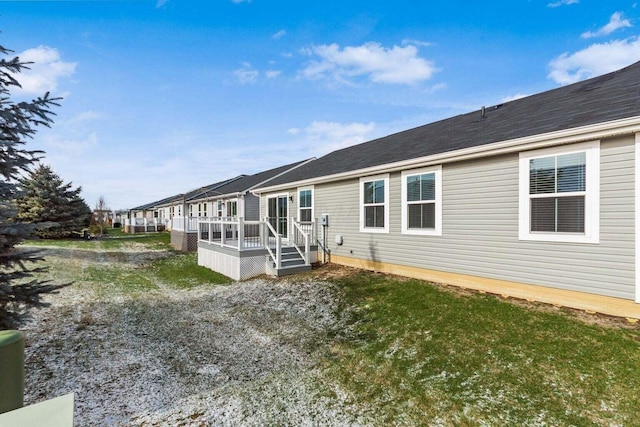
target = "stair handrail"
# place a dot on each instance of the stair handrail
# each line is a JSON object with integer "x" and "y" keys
{"x": 277, "y": 257}
{"x": 307, "y": 244}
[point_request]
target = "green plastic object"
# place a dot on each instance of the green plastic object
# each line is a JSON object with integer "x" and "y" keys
{"x": 11, "y": 370}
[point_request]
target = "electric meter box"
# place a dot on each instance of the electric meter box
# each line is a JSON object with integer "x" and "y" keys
{"x": 324, "y": 220}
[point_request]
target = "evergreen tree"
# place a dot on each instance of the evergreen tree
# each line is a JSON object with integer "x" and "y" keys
{"x": 18, "y": 122}
{"x": 55, "y": 208}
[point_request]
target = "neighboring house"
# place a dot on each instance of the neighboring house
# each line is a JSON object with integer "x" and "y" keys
{"x": 119, "y": 217}
{"x": 184, "y": 214}
{"x": 103, "y": 216}
{"x": 536, "y": 198}
{"x": 235, "y": 238}
{"x": 142, "y": 219}
{"x": 167, "y": 213}
{"x": 164, "y": 210}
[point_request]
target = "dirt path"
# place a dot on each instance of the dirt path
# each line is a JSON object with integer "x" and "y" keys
{"x": 243, "y": 354}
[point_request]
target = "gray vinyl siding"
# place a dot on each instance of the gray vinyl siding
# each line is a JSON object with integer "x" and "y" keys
{"x": 251, "y": 207}
{"x": 480, "y": 228}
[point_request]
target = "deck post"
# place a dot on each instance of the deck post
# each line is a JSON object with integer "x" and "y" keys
{"x": 307, "y": 249}
{"x": 265, "y": 233}
{"x": 223, "y": 232}
{"x": 240, "y": 233}
{"x": 278, "y": 251}
{"x": 291, "y": 233}
{"x": 210, "y": 225}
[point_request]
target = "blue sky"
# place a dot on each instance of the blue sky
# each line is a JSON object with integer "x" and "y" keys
{"x": 164, "y": 96}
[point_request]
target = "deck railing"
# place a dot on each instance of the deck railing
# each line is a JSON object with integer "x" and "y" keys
{"x": 231, "y": 232}
{"x": 149, "y": 224}
{"x": 188, "y": 224}
{"x": 302, "y": 235}
{"x": 273, "y": 243}
{"x": 241, "y": 235}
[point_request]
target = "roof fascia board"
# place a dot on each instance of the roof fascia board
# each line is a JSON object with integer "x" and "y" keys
{"x": 280, "y": 174}
{"x": 216, "y": 197}
{"x": 222, "y": 183}
{"x": 620, "y": 127}
{"x": 243, "y": 192}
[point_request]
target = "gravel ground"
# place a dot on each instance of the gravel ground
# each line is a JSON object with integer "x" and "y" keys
{"x": 244, "y": 354}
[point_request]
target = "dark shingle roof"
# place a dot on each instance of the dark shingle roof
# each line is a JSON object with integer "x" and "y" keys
{"x": 601, "y": 99}
{"x": 246, "y": 183}
{"x": 191, "y": 194}
{"x": 199, "y": 192}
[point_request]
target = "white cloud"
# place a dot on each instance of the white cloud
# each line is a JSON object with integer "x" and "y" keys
{"x": 595, "y": 60}
{"x": 85, "y": 116}
{"x": 272, "y": 74}
{"x": 279, "y": 35}
{"x": 324, "y": 137}
{"x": 69, "y": 148}
{"x": 396, "y": 65}
{"x": 563, "y": 3}
{"x": 514, "y": 97}
{"x": 45, "y": 72}
{"x": 247, "y": 74}
{"x": 416, "y": 43}
{"x": 615, "y": 23}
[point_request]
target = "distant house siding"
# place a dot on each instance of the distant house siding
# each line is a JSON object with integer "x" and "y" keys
{"x": 251, "y": 207}
{"x": 480, "y": 228}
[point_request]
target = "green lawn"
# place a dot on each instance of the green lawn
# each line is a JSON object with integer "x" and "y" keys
{"x": 420, "y": 355}
{"x": 115, "y": 239}
{"x": 417, "y": 354}
{"x": 171, "y": 269}
{"x": 177, "y": 271}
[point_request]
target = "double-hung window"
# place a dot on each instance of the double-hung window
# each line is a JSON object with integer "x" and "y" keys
{"x": 305, "y": 205}
{"x": 202, "y": 209}
{"x": 374, "y": 204}
{"x": 559, "y": 194}
{"x": 232, "y": 208}
{"x": 422, "y": 201}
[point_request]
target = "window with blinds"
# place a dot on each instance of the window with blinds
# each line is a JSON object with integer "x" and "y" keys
{"x": 557, "y": 190}
{"x": 374, "y": 204}
{"x": 421, "y": 201}
{"x": 559, "y": 194}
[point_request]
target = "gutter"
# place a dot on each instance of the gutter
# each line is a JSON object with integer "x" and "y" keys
{"x": 568, "y": 136}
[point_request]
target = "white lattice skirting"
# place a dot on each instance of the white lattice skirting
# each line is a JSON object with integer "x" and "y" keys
{"x": 237, "y": 268}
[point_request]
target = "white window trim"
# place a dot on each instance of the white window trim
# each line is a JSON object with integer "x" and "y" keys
{"x": 225, "y": 206}
{"x": 592, "y": 195}
{"x": 437, "y": 231}
{"x": 313, "y": 202}
{"x": 385, "y": 229}
{"x": 272, "y": 196}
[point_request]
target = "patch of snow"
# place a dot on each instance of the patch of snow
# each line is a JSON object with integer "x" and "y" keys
{"x": 244, "y": 354}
